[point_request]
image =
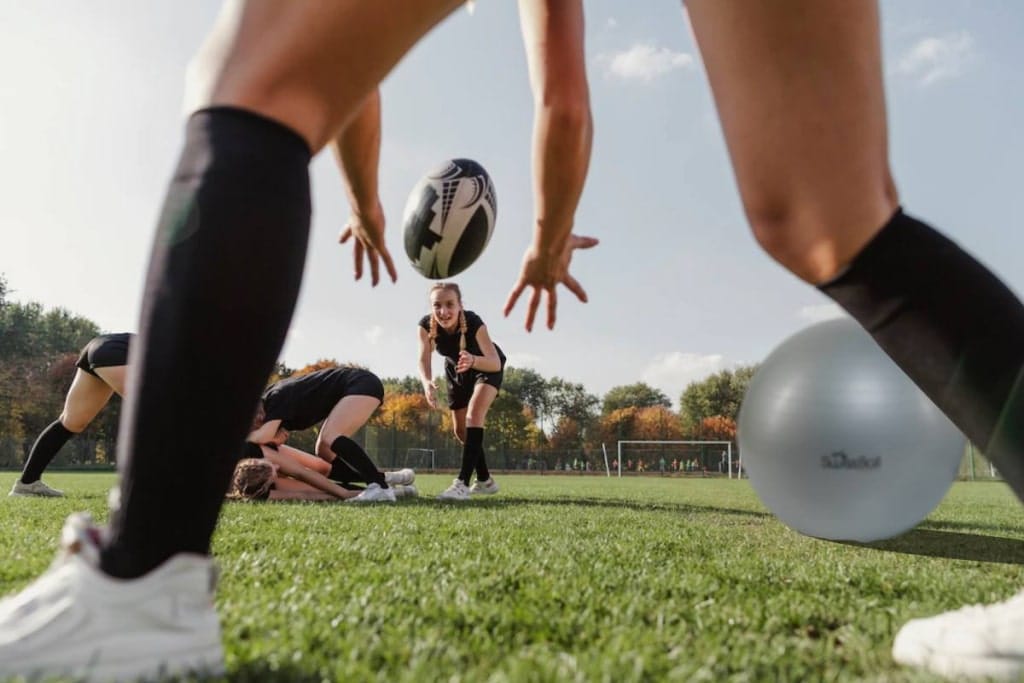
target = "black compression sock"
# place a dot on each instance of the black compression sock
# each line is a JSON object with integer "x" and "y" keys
{"x": 951, "y": 325}
{"x": 356, "y": 458}
{"x": 223, "y": 278}
{"x": 471, "y": 452}
{"x": 475, "y": 436}
{"x": 341, "y": 472}
{"x": 44, "y": 450}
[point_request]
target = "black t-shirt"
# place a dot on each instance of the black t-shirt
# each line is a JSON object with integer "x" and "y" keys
{"x": 302, "y": 402}
{"x": 447, "y": 343}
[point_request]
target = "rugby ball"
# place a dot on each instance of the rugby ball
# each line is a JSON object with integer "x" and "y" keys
{"x": 449, "y": 218}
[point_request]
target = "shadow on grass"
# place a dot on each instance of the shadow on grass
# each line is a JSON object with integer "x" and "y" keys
{"x": 260, "y": 672}
{"x": 954, "y": 546}
{"x": 579, "y": 501}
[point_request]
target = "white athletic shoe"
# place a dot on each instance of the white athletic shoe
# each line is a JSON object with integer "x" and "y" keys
{"x": 36, "y": 488}
{"x": 375, "y": 493}
{"x": 405, "y": 491}
{"x": 457, "y": 491}
{"x": 76, "y": 621}
{"x": 487, "y": 486}
{"x": 972, "y": 642}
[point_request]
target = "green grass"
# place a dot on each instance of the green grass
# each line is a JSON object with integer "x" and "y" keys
{"x": 566, "y": 578}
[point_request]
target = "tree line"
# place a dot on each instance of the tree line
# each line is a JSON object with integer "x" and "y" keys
{"x": 545, "y": 419}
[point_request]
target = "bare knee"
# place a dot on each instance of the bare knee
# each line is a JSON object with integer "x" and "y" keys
{"x": 75, "y": 424}
{"x": 816, "y": 242}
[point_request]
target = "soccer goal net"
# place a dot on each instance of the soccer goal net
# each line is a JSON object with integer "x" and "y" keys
{"x": 419, "y": 459}
{"x": 676, "y": 457}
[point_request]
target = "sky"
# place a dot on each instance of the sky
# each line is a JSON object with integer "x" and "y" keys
{"x": 91, "y": 125}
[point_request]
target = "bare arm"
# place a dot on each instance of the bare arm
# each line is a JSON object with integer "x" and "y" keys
{"x": 562, "y": 135}
{"x": 357, "y": 151}
{"x": 489, "y": 362}
{"x": 266, "y": 432}
{"x": 426, "y": 369}
{"x": 289, "y": 467}
{"x": 286, "y": 488}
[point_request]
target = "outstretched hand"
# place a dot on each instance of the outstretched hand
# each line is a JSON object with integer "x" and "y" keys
{"x": 368, "y": 231}
{"x": 543, "y": 273}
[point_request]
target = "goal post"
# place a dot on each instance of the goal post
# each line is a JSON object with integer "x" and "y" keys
{"x": 727, "y": 452}
{"x": 420, "y": 458}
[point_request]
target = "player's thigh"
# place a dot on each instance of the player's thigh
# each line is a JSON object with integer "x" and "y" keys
{"x": 308, "y": 65}
{"x": 84, "y": 401}
{"x": 480, "y": 404}
{"x": 799, "y": 90}
{"x": 348, "y": 416}
{"x": 115, "y": 377}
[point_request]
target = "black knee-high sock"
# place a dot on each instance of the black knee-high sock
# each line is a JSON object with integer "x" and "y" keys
{"x": 471, "y": 452}
{"x": 44, "y": 450}
{"x": 476, "y": 436}
{"x": 356, "y": 458}
{"x": 223, "y": 278}
{"x": 951, "y": 325}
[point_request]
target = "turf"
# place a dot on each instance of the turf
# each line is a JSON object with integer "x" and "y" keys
{"x": 566, "y": 578}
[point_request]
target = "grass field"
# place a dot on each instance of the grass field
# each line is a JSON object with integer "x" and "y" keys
{"x": 565, "y": 578}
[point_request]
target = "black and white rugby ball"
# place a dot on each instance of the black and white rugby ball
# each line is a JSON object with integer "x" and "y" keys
{"x": 449, "y": 218}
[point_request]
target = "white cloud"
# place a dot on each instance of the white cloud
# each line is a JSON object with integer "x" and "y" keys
{"x": 374, "y": 334}
{"x": 523, "y": 360}
{"x": 644, "y": 62}
{"x": 820, "y": 312}
{"x": 612, "y": 22}
{"x": 937, "y": 58}
{"x": 672, "y": 372}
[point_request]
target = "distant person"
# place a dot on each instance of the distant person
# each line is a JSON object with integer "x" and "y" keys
{"x": 99, "y": 374}
{"x": 474, "y": 368}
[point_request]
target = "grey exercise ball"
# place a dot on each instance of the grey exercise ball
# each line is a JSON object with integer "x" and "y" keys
{"x": 839, "y": 443}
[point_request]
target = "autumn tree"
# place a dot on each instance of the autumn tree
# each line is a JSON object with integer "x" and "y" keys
{"x": 656, "y": 423}
{"x": 718, "y": 428}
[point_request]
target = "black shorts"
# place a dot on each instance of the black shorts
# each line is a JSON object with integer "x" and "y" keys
{"x": 460, "y": 386}
{"x": 105, "y": 351}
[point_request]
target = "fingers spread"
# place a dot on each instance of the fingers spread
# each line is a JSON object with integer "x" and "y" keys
{"x": 574, "y": 286}
{"x": 552, "y": 306}
{"x": 513, "y": 297}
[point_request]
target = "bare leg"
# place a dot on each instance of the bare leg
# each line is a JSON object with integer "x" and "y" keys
{"x": 86, "y": 398}
{"x": 345, "y": 419}
{"x": 459, "y": 424}
{"x": 337, "y": 447}
{"x": 798, "y": 85}
{"x": 479, "y": 403}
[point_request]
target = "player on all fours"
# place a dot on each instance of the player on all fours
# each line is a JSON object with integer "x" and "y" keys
{"x": 799, "y": 91}
{"x": 99, "y": 374}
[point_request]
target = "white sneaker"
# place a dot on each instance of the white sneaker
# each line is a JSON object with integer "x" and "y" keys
{"x": 402, "y": 477}
{"x": 457, "y": 491}
{"x": 36, "y": 488}
{"x": 972, "y": 642}
{"x": 375, "y": 493}
{"x": 405, "y": 491}
{"x": 487, "y": 486}
{"x": 76, "y": 621}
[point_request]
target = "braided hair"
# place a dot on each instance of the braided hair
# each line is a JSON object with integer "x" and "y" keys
{"x": 463, "y": 325}
{"x": 252, "y": 480}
